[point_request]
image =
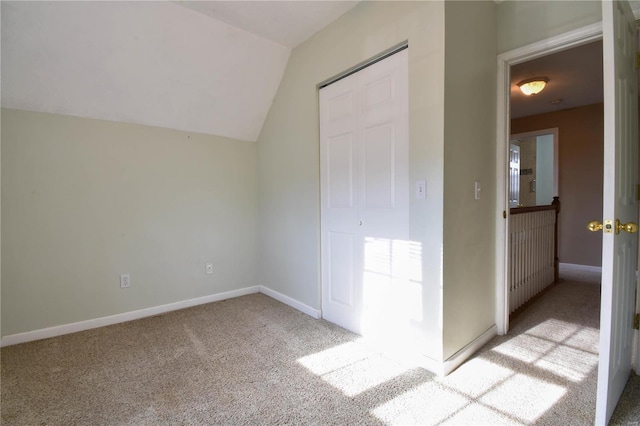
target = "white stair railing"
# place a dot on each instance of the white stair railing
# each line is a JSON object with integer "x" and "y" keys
{"x": 533, "y": 260}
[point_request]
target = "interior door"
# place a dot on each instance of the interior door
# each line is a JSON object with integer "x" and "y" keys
{"x": 364, "y": 191}
{"x": 514, "y": 175}
{"x": 384, "y": 198}
{"x": 637, "y": 368}
{"x": 339, "y": 208}
{"x": 619, "y": 247}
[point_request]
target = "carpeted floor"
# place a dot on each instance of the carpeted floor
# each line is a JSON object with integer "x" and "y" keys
{"x": 252, "y": 360}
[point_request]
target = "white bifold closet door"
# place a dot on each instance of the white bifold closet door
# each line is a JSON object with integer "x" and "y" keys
{"x": 364, "y": 162}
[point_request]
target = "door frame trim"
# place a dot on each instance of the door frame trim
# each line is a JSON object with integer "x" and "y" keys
{"x": 545, "y": 47}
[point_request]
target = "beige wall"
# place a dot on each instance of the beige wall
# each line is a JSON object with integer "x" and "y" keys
{"x": 522, "y": 22}
{"x": 580, "y": 133}
{"x": 469, "y": 156}
{"x": 288, "y": 150}
{"x": 448, "y": 152}
{"x": 66, "y": 236}
{"x": 189, "y": 198}
{"x": 85, "y": 200}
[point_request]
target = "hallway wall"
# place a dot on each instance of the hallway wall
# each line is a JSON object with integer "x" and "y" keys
{"x": 580, "y": 149}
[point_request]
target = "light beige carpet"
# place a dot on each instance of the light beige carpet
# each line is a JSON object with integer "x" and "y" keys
{"x": 252, "y": 360}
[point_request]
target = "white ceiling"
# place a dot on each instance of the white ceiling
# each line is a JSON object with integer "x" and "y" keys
{"x": 575, "y": 78}
{"x": 207, "y": 67}
{"x": 286, "y": 22}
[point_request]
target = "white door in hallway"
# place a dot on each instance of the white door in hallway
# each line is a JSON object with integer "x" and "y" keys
{"x": 619, "y": 249}
{"x": 364, "y": 190}
{"x": 514, "y": 175}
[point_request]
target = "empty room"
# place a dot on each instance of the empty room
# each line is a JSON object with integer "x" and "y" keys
{"x": 297, "y": 212}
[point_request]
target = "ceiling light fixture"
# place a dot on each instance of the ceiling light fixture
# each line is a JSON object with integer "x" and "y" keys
{"x": 533, "y": 86}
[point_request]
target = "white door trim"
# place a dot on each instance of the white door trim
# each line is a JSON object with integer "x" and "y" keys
{"x": 555, "y": 44}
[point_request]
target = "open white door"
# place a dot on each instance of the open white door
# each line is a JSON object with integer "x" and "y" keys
{"x": 619, "y": 246}
{"x": 637, "y": 337}
{"x": 637, "y": 331}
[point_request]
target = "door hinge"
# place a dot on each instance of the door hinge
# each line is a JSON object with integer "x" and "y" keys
{"x": 638, "y": 60}
{"x": 638, "y": 186}
{"x": 636, "y": 322}
{"x": 504, "y": 212}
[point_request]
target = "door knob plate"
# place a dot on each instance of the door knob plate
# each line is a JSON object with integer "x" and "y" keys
{"x": 607, "y": 227}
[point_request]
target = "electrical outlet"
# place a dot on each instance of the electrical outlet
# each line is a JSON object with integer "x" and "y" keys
{"x": 209, "y": 268}
{"x": 125, "y": 281}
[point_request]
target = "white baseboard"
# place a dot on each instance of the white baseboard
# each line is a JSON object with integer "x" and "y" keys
{"x": 44, "y": 333}
{"x": 465, "y": 353}
{"x": 583, "y": 273}
{"x": 403, "y": 353}
{"x": 312, "y": 312}
{"x": 580, "y": 268}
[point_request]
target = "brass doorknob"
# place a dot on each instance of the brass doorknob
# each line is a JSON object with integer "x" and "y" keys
{"x": 594, "y": 226}
{"x": 630, "y": 227}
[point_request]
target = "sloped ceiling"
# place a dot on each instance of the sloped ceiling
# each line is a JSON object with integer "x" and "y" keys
{"x": 286, "y": 22}
{"x": 155, "y": 63}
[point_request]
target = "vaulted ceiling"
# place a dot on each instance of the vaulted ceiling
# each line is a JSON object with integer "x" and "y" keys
{"x": 286, "y": 22}
{"x": 212, "y": 67}
{"x": 208, "y": 67}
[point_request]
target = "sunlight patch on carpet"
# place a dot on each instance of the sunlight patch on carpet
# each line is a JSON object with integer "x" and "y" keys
{"x": 477, "y": 414}
{"x": 570, "y": 363}
{"x": 425, "y": 404}
{"x": 475, "y": 377}
{"x": 559, "y": 347}
{"x": 353, "y": 368}
{"x": 587, "y": 339}
{"x": 524, "y": 397}
{"x": 356, "y": 378}
{"x": 334, "y": 358}
{"x": 554, "y": 329}
{"x": 525, "y": 348}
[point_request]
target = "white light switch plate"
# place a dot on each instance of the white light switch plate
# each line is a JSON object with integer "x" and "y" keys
{"x": 421, "y": 189}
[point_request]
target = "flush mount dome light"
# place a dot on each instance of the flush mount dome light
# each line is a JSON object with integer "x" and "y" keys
{"x": 533, "y": 86}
